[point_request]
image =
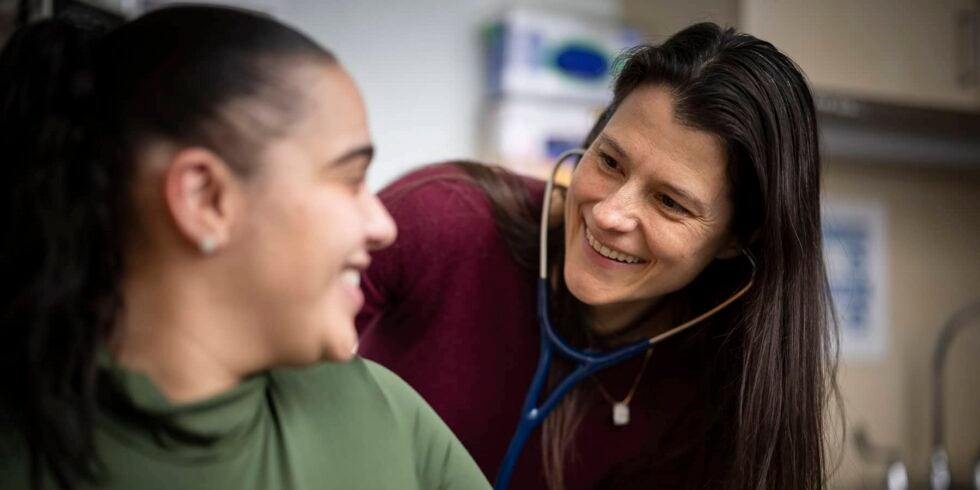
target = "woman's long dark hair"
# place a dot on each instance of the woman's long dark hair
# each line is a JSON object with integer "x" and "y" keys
{"x": 78, "y": 105}
{"x": 774, "y": 359}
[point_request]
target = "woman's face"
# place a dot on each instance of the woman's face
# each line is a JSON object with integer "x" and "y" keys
{"x": 648, "y": 207}
{"x": 309, "y": 223}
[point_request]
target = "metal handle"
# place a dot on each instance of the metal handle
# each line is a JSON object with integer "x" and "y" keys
{"x": 939, "y": 477}
{"x": 896, "y": 473}
{"x": 976, "y": 475}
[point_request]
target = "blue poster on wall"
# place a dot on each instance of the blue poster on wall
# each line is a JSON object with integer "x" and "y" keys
{"x": 855, "y": 255}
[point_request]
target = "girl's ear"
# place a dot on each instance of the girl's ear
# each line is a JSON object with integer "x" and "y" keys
{"x": 199, "y": 190}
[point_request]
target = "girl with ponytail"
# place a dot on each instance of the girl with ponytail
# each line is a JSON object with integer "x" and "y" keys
{"x": 184, "y": 220}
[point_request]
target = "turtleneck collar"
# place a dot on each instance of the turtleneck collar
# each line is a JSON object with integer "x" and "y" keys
{"x": 140, "y": 414}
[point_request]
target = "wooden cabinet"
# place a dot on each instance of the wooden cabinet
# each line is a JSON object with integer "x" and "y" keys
{"x": 912, "y": 52}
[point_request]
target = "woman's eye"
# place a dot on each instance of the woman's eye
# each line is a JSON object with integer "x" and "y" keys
{"x": 609, "y": 162}
{"x": 672, "y": 205}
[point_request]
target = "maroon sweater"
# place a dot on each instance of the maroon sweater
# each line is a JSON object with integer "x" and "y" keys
{"x": 450, "y": 311}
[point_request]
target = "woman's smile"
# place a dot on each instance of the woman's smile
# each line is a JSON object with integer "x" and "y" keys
{"x": 609, "y": 252}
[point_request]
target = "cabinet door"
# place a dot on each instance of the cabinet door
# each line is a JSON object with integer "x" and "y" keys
{"x": 910, "y": 51}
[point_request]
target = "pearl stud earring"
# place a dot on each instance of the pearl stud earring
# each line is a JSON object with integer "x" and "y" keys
{"x": 208, "y": 245}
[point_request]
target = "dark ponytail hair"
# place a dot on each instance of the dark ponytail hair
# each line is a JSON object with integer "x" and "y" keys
{"x": 59, "y": 260}
{"x": 773, "y": 364}
{"x": 79, "y": 103}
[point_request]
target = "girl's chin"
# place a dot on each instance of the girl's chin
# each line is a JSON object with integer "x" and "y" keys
{"x": 342, "y": 357}
{"x": 341, "y": 349}
{"x": 336, "y": 342}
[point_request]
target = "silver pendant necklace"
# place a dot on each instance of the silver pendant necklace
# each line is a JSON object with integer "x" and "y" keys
{"x": 621, "y": 408}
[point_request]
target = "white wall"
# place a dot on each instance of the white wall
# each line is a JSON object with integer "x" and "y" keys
{"x": 420, "y": 66}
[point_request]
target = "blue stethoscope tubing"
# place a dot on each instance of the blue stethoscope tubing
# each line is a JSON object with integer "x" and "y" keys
{"x": 588, "y": 362}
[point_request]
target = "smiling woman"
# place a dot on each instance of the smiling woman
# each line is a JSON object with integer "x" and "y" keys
{"x": 656, "y": 191}
{"x": 704, "y": 168}
{"x": 188, "y": 219}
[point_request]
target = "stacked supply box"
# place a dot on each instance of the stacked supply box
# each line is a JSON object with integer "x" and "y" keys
{"x": 548, "y": 78}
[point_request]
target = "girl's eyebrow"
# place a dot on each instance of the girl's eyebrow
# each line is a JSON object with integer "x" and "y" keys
{"x": 363, "y": 153}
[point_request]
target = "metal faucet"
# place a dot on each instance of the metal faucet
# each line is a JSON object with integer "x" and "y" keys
{"x": 939, "y": 476}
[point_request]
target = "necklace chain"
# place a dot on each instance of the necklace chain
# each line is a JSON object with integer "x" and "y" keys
{"x": 636, "y": 382}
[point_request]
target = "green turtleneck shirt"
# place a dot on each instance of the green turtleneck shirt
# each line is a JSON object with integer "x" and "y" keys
{"x": 333, "y": 426}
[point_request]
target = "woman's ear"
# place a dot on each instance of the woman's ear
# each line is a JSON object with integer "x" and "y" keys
{"x": 734, "y": 247}
{"x": 729, "y": 251}
{"x": 200, "y": 193}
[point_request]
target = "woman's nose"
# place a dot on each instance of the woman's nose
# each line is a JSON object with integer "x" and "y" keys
{"x": 617, "y": 212}
{"x": 380, "y": 228}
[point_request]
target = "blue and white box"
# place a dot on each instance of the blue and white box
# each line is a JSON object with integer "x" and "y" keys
{"x": 532, "y": 53}
{"x": 527, "y": 134}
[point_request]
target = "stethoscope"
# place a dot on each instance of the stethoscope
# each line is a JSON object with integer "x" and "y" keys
{"x": 588, "y": 361}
